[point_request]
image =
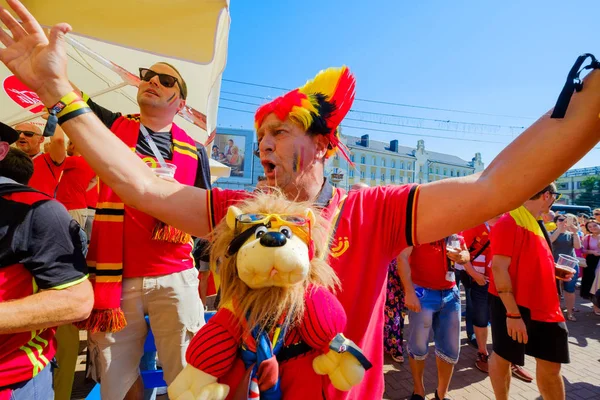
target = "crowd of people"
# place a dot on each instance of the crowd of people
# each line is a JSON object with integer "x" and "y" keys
{"x": 139, "y": 256}
{"x": 432, "y": 300}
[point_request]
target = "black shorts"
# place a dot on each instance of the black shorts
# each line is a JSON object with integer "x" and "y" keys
{"x": 547, "y": 341}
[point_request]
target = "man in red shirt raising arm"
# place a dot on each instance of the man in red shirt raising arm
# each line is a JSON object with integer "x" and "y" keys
{"x": 524, "y": 308}
{"x": 293, "y": 155}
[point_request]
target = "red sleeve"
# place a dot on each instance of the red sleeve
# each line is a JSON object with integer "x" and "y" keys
{"x": 324, "y": 318}
{"x": 391, "y": 211}
{"x": 503, "y": 236}
{"x": 219, "y": 200}
{"x": 214, "y": 348}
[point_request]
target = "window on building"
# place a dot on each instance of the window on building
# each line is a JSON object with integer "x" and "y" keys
{"x": 401, "y": 164}
{"x": 451, "y": 172}
{"x": 410, "y": 179}
{"x": 351, "y": 173}
{"x": 392, "y": 178}
{"x": 579, "y": 185}
{"x": 445, "y": 172}
{"x": 362, "y": 174}
{"x": 409, "y": 166}
{"x": 437, "y": 171}
{"x": 383, "y": 162}
{"x": 431, "y": 170}
{"x": 401, "y": 179}
{"x": 373, "y": 161}
{"x": 373, "y": 176}
{"x": 420, "y": 168}
{"x": 383, "y": 177}
{"x": 352, "y": 157}
{"x": 393, "y": 163}
{"x": 362, "y": 159}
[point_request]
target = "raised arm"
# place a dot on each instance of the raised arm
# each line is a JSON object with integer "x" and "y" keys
{"x": 58, "y": 151}
{"x": 40, "y": 62}
{"x": 516, "y": 173}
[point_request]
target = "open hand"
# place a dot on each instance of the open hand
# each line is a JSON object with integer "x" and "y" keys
{"x": 38, "y": 61}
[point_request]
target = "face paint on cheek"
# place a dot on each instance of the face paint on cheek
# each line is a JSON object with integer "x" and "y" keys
{"x": 299, "y": 160}
{"x": 171, "y": 99}
{"x": 296, "y": 162}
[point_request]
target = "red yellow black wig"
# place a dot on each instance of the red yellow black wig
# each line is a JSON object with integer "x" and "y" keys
{"x": 319, "y": 106}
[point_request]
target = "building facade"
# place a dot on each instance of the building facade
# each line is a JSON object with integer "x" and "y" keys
{"x": 383, "y": 163}
{"x": 569, "y": 184}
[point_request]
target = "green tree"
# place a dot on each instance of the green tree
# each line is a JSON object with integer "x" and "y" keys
{"x": 591, "y": 195}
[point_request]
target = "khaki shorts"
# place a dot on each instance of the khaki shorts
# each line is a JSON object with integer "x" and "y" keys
{"x": 79, "y": 215}
{"x": 176, "y": 313}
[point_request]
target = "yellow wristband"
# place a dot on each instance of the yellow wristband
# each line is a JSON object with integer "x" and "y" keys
{"x": 76, "y": 105}
{"x": 64, "y": 102}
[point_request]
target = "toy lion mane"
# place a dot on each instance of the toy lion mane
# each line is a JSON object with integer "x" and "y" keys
{"x": 264, "y": 307}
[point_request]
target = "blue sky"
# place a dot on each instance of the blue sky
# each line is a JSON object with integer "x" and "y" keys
{"x": 505, "y": 58}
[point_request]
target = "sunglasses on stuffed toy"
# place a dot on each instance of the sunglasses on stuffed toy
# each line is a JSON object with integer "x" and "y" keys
{"x": 246, "y": 225}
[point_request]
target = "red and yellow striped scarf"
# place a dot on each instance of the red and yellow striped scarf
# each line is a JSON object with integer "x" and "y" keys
{"x": 105, "y": 254}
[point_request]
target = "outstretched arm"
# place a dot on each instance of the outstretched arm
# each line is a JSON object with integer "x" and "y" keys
{"x": 58, "y": 152}
{"x": 40, "y": 62}
{"x": 516, "y": 173}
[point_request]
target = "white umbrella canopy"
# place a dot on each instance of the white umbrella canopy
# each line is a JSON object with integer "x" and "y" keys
{"x": 192, "y": 35}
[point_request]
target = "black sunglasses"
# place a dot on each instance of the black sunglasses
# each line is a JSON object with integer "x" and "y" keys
{"x": 27, "y": 133}
{"x": 165, "y": 79}
{"x": 561, "y": 220}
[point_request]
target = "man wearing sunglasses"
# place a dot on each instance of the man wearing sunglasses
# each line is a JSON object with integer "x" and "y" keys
{"x": 372, "y": 226}
{"x": 47, "y": 167}
{"x": 163, "y": 257}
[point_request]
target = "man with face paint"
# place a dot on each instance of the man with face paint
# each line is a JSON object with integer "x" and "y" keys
{"x": 371, "y": 226}
{"x": 152, "y": 254}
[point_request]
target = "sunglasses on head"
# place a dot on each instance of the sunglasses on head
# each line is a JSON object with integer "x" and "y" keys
{"x": 27, "y": 133}
{"x": 165, "y": 79}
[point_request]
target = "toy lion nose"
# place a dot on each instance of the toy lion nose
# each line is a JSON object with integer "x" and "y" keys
{"x": 273, "y": 239}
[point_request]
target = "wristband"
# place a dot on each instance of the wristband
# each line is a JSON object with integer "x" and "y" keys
{"x": 75, "y": 113}
{"x": 65, "y": 101}
{"x": 513, "y": 316}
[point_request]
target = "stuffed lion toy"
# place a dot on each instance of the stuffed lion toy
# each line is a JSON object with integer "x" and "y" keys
{"x": 277, "y": 333}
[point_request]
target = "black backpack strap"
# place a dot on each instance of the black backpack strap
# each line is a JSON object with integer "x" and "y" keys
{"x": 573, "y": 84}
{"x": 485, "y": 246}
{"x": 10, "y": 188}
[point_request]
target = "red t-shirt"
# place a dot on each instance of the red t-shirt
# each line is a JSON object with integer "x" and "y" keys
{"x": 144, "y": 256}
{"x": 91, "y": 197}
{"x": 374, "y": 226}
{"x": 475, "y": 239}
{"x": 46, "y": 174}
{"x": 72, "y": 189}
{"x": 429, "y": 266}
{"x": 518, "y": 235}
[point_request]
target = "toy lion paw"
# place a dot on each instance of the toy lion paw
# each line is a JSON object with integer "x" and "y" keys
{"x": 344, "y": 369}
{"x": 193, "y": 384}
